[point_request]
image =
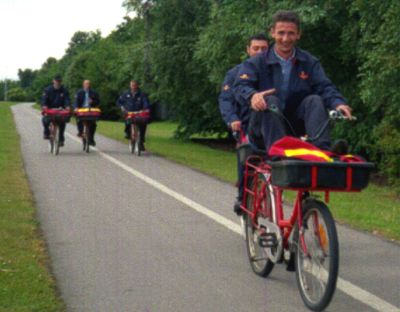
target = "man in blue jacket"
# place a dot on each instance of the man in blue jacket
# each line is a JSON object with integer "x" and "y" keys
{"x": 291, "y": 81}
{"x": 237, "y": 116}
{"x": 87, "y": 98}
{"x": 134, "y": 100}
{"x": 55, "y": 96}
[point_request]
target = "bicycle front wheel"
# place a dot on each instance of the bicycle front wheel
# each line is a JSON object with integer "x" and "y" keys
{"x": 317, "y": 256}
{"x": 137, "y": 142}
{"x": 56, "y": 142}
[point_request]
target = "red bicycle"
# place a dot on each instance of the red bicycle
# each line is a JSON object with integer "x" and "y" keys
{"x": 307, "y": 239}
{"x": 134, "y": 119}
{"x": 56, "y": 117}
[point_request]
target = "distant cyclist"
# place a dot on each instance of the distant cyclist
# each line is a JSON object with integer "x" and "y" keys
{"x": 134, "y": 100}
{"x": 55, "y": 96}
{"x": 87, "y": 98}
{"x": 237, "y": 116}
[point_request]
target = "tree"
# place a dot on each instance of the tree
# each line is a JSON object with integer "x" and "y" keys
{"x": 26, "y": 77}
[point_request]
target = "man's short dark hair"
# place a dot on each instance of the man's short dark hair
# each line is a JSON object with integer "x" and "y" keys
{"x": 257, "y": 37}
{"x": 286, "y": 16}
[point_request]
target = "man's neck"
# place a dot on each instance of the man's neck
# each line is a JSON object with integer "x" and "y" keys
{"x": 284, "y": 55}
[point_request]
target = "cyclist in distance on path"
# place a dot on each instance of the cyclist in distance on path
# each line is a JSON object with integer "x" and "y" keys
{"x": 133, "y": 100}
{"x": 87, "y": 98}
{"x": 237, "y": 116}
{"x": 55, "y": 96}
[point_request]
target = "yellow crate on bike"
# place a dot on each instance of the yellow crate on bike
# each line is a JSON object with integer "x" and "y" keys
{"x": 334, "y": 176}
{"x": 88, "y": 113}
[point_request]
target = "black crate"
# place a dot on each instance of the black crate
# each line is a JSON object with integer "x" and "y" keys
{"x": 321, "y": 175}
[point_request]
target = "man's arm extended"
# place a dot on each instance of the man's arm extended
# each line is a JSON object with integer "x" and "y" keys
{"x": 227, "y": 101}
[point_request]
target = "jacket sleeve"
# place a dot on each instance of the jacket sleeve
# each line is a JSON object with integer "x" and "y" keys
{"x": 226, "y": 100}
{"x": 96, "y": 99}
{"x": 76, "y": 100}
{"x": 120, "y": 101}
{"x": 67, "y": 100}
{"x": 325, "y": 88}
{"x": 145, "y": 101}
{"x": 45, "y": 98}
{"x": 246, "y": 82}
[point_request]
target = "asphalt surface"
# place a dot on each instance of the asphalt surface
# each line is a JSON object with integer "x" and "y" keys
{"x": 117, "y": 243}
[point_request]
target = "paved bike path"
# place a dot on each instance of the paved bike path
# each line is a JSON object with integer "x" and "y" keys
{"x": 118, "y": 241}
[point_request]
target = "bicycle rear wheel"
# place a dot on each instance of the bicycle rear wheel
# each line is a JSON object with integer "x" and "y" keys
{"x": 258, "y": 256}
{"x": 317, "y": 256}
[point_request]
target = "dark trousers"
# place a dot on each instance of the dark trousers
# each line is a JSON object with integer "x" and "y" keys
{"x": 142, "y": 128}
{"x": 307, "y": 118}
{"x": 46, "y": 124}
{"x": 92, "y": 128}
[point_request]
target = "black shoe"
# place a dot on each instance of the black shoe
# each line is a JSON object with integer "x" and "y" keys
{"x": 141, "y": 146}
{"x": 237, "y": 209}
{"x": 291, "y": 264}
{"x": 340, "y": 147}
{"x": 61, "y": 143}
{"x": 46, "y": 137}
{"x": 92, "y": 142}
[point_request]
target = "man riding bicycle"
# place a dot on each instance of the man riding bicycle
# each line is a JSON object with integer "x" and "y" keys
{"x": 87, "y": 98}
{"x": 237, "y": 116}
{"x": 134, "y": 100}
{"x": 290, "y": 81}
{"x": 55, "y": 96}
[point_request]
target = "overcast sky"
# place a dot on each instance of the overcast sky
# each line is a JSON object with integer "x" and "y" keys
{"x": 33, "y": 30}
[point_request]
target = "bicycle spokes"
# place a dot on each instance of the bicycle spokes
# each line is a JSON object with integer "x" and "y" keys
{"x": 313, "y": 257}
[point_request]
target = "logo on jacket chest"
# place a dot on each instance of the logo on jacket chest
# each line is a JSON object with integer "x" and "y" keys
{"x": 303, "y": 75}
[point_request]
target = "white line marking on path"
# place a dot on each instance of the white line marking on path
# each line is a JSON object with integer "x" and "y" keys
{"x": 345, "y": 286}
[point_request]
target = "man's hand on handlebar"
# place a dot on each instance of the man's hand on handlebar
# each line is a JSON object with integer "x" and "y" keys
{"x": 257, "y": 100}
{"x": 236, "y": 126}
{"x": 345, "y": 110}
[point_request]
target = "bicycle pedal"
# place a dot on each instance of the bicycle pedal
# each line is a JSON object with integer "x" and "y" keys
{"x": 268, "y": 240}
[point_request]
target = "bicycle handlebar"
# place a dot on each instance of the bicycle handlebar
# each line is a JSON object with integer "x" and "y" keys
{"x": 338, "y": 115}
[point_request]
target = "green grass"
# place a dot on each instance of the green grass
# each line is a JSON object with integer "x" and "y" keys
{"x": 376, "y": 209}
{"x": 160, "y": 141}
{"x": 25, "y": 282}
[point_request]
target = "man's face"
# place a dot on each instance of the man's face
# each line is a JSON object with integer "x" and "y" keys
{"x": 134, "y": 86}
{"x": 86, "y": 84}
{"x": 57, "y": 84}
{"x": 256, "y": 46}
{"x": 286, "y": 35}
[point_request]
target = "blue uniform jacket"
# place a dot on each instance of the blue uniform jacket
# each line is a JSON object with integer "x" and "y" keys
{"x": 54, "y": 98}
{"x": 80, "y": 98}
{"x": 229, "y": 107}
{"x": 133, "y": 103}
{"x": 263, "y": 72}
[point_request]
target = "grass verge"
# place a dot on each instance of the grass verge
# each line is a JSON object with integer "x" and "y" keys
{"x": 376, "y": 209}
{"x": 25, "y": 282}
